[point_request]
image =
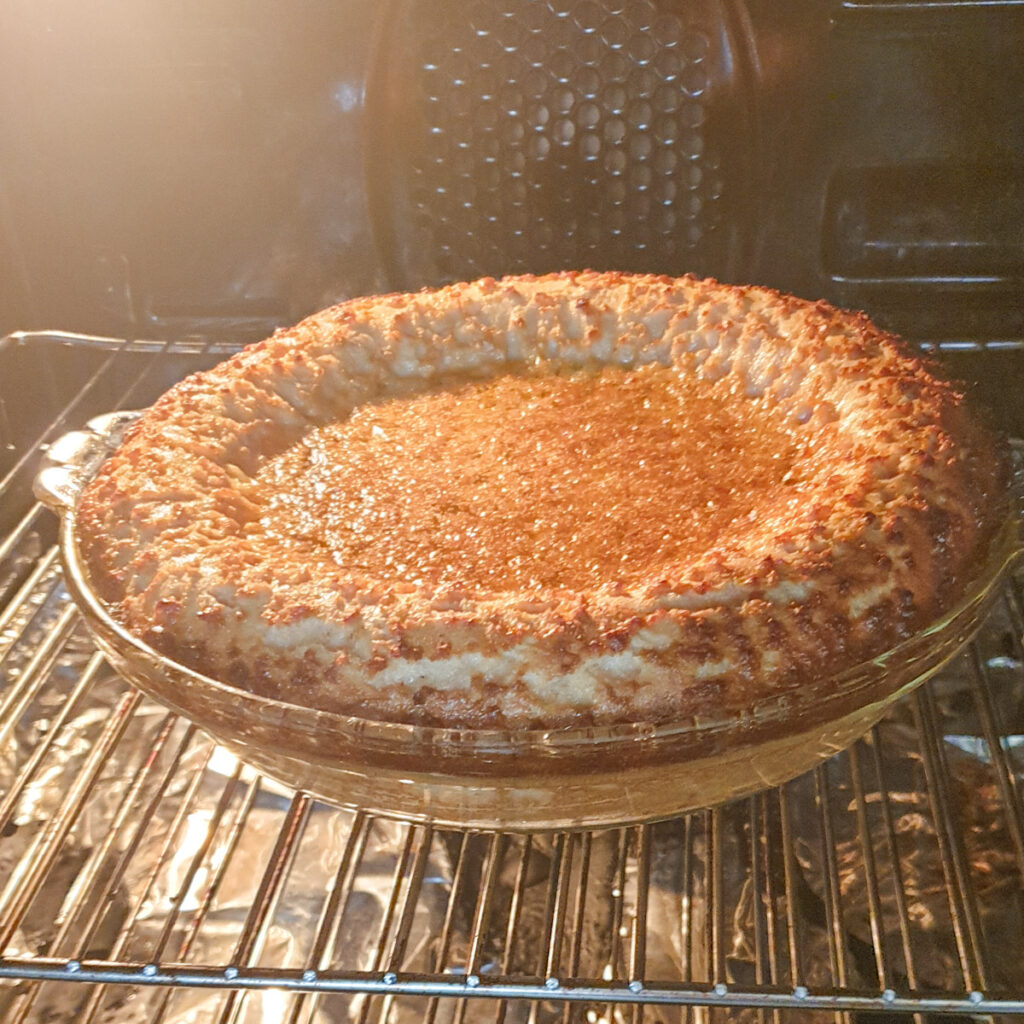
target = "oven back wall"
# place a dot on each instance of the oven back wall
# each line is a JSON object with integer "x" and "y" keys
{"x": 222, "y": 167}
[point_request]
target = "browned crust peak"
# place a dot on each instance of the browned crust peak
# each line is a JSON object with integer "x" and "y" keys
{"x": 899, "y": 498}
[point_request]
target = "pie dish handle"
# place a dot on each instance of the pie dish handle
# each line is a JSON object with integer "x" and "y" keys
{"x": 72, "y": 460}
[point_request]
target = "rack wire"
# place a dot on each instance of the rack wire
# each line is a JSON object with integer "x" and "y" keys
{"x": 146, "y": 874}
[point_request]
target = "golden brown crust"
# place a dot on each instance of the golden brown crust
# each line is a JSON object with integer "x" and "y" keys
{"x": 896, "y": 493}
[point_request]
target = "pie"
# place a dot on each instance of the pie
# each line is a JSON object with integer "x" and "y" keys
{"x": 540, "y": 502}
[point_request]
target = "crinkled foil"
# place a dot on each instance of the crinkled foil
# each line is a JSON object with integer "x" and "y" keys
{"x": 924, "y": 868}
{"x": 717, "y": 907}
{"x": 969, "y": 830}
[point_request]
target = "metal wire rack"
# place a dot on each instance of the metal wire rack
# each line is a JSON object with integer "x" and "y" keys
{"x": 145, "y": 874}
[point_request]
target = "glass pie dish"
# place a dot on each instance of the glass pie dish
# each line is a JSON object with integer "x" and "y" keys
{"x": 531, "y": 779}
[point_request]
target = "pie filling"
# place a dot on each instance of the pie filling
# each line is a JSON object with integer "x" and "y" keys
{"x": 562, "y": 482}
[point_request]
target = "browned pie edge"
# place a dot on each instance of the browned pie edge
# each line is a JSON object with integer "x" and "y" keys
{"x": 913, "y": 491}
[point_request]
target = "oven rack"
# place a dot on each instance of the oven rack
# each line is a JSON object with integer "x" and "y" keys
{"x": 145, "y": 874}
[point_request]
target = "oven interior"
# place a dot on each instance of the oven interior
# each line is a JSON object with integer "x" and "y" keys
{"x": 178, "y": 180}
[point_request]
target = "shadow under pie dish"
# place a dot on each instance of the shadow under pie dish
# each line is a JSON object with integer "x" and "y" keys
{"x": 541, "y": 551}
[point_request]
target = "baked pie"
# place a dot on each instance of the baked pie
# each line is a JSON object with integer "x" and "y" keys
{"x": 539, "y": 502}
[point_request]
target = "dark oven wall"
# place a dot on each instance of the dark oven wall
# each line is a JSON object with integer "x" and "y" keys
{"x": 221, "y": 167}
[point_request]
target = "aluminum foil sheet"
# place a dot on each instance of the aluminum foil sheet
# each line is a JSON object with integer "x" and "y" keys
{"x": 971, "y": 826}
{"x": 163, "y": 857}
